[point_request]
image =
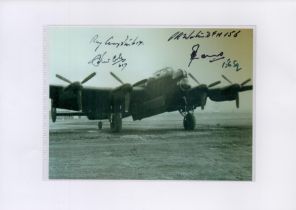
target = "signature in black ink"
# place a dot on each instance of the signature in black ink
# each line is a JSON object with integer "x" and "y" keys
{"x": 212, "y": 58}
{"x": 179, "y": 35}
{"x": 95, "y": 40}
{"x": 103, "y": 59}
{"x": 98, "y": 59}
{"x": 231, "y": 63}
{"x": 127, "y": 42}
{"x": 120, "y": 61}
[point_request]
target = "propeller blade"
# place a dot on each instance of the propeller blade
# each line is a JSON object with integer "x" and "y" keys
{"x": 224, "y": 77}
{"x": 194, "y": 78}
{"x": 214, "y": 84}
{"x": 203, "y": 100}
{"x": 88, "y": 77}
{"x": 245, "y": 82}
{"x": 117, "y": 78}
{"x": 63, "y": 78}
{"x": 237, "y": 101}
{"x": 79, "y": 100}
{"x": 127, "y": 100}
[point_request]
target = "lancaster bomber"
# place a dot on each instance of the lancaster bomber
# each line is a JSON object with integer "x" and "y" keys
{"x": 166, "y": 91}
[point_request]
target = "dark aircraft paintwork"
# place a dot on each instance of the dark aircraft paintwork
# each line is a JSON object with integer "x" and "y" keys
{"x": 167, "y": 90}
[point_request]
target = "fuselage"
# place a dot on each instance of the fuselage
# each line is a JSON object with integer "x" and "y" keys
{"x": 160, "y": 93}
{"x": 164, "y": 91}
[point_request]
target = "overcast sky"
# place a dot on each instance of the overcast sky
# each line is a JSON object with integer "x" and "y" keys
{"x": 74, "y": 52}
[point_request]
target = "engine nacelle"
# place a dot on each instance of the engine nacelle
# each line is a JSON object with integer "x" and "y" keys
{"x": 228, "y": 93}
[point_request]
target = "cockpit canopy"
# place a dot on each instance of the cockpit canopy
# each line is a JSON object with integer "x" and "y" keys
{"x": 162, "y": 72}
{"x": 167, "y": 72}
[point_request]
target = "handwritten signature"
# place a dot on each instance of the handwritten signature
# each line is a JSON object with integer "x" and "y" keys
{"x": 227, "y": 63}
{"x": 127, "y": 42}
{"x": 179, "y": 35}
{"x": 231, "y": 63}
{"x": 103, "y": 58}
{"x": 212, "y": 58}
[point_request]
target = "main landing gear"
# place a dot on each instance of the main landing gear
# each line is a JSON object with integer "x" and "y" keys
{"x": 189, "y": 120}
{"x": 53, "y": 112}
{"x": 100, "y": 125}
{"x": 116, "y": 122}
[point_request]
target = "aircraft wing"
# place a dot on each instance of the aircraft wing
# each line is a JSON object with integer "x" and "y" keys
{"x": 228, "y": 93}
{"x": 96, "y": 103}
{"x": 92, "y": 99}
{"x": 54, "y": 91}
{"x": 197, "y": 95}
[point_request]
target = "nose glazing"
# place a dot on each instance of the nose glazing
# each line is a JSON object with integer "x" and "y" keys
{"x": 179, "y": 74}
{"x": 184, "y": 84}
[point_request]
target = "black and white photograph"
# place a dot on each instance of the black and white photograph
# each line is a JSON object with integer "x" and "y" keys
{"x": 150, "y": 103}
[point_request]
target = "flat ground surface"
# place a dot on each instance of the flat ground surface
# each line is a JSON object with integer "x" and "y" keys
{"x": 220, "y": 148}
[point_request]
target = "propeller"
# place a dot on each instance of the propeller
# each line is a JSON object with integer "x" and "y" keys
{"x": 245, "y": 82}
{"x": 63, "y": 78}
{"x": 82, "y": 82}
{"x": 88, "y": 77}
{"x": 237, "y": 100}
{"x": 194, "y": 78}
{"x": 117, "y": 78}
{"x": 210, "y": 85}
{"x": 127, "y": 96}
{"x": 242, "y": 84}
{"x": 214, "y": 84}
{"x": 224, "y": 77}
{"x": 203, "y": 96}
{"x": 238, "y": 88}
{"x": 77, "y": 86}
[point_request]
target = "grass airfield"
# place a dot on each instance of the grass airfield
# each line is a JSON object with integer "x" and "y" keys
{"x": 157, "y": 148}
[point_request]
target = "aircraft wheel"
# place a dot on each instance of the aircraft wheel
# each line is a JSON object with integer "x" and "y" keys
{"x": 53, "y": 114}
{"x": 116, "y": 122}
{"x": 100, "y": 125}
{"x": 189, "y": 122}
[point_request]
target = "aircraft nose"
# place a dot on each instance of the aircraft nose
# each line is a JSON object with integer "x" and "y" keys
{"x": 179, "y": 74}
{"x": 184, "y": 85}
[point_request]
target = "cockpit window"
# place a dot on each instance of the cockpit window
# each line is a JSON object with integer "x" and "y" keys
{"x": 184, "y": 73}
{"x": 162, "y": 71}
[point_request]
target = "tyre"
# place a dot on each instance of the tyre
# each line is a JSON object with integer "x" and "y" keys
{"x": 53, "y": 113}
{"x": 100, "y": 125}
{"x": 116, "y": 122}
{"x": 189, "y": 122}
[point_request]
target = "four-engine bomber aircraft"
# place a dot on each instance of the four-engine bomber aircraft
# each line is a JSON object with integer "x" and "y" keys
{"x": 166, "y": 91}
